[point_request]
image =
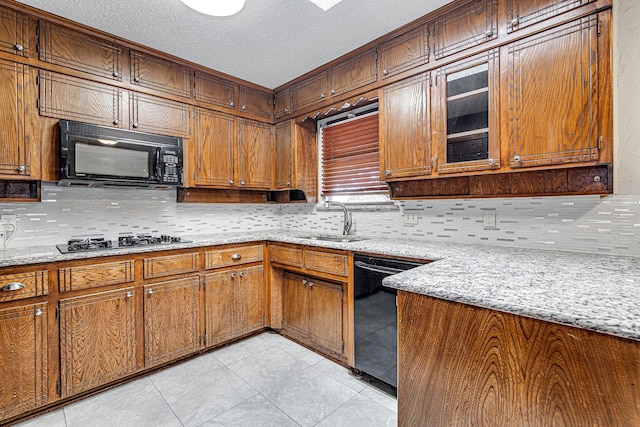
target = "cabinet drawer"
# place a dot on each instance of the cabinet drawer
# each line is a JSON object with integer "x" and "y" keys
{"x": 159, "y": 74}
{"x": 169, "y": 265}
{"x": 14, "y": 32}
{"x": 90, "y": 276}
{"x": 327, "y": 262}
{"x": 23, "y": 285}
{"x": 232, "y": 256}
{"x": 286, "y": 255}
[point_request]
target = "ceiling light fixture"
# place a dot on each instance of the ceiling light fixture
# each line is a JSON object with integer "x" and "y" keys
{"x": 325, "y": 4}
{"x": 216, "y": 7}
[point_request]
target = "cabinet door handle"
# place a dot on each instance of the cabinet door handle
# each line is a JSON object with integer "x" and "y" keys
{"x": 241, "y": 274}
{"x": 150, "y": 291}
{"x": 135, "y": 125}
{"x": 236, "y": 257}
{"x": 116, "y": 122}
{"x": 232, "y": 104}
{"x": 13, "y": 286}
{"x": 233, "y": 275}
{"x": 244, "y": 107}
{"x": 286, "y": 110}
{"x": 241, "y": 182}
{"x": 310, "y": 283}
{"x": 231, "y": 181}
{"x": 136, "y": 79}
{"x": 489, "y": 34}
{"x": 38, "y": 312}
{"x": 333, "y": 92}
{"x": 385, "y": 72}
{"x": 323, "y": 95}
{"x": 115, "y": 74}
{"x": 304, "y": 282}
{"x": 130, "y": 294}
{"x": 21, "y": 168}
{"x": 514, "y": 22}
{"x": 19, "y": 47}
{"x": 387, "y": 172}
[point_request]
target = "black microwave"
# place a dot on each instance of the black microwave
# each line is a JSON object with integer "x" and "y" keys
{"x": 100, "y": 156}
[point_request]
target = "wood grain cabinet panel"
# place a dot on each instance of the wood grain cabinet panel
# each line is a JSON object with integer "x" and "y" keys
{"x": 158, "y": 74}
{"x": 254, "y": 154}
{"x": 282, "y": 103}
{"x": 214, "y": 90}
{"x": 563, "y": 60}
{"x": 353, "y": 73}
{"x": 68, "y": 48}
{"x": 66, "y": 97}
{"x": 249, "y": 295}
{"x": 312, "y": 312}
{"x": 286, "y": 255}
{"x": 19, "y": 152}
{"x": 471, "y": 24}
{"x": 97, "y": 339}
{"x": 476, "y": 366}
{"x": 309, "y": 91}
{"x": 14, "y": 32}
{"x": 232, "y": 256}
{"x": 170, "y": 265}
{"x": 89, "y": 276}
{"x": 24, "y": 285}
{"x": 327, "y": 262}
{"x": 254, "y": 101}
{"x": 523, "y": 13}
{"x": 219, "y": 298}
{"x": 23, "y": 359}
{"x": 404, "y": 129}
{"x": 157, "y": 115}
{"x": 213, "y": 146}
{"x": 171, "y": 320}
{"x": 284, "y": 155}
{"x": 404, "y": 52}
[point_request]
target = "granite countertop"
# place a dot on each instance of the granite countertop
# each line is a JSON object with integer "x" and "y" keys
{"x": 595, "y": 292}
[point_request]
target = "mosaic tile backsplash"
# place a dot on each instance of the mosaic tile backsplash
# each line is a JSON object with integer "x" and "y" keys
{"x": 589, "y": 224}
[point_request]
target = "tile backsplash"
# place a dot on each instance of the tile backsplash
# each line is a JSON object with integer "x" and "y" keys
{"x": 590, "y": 224}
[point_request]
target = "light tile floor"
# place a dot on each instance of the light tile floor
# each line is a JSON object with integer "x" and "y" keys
{"x": 265, "y": 380}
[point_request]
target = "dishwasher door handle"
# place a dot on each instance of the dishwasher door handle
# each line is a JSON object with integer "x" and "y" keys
{"x": 377, "y": 268}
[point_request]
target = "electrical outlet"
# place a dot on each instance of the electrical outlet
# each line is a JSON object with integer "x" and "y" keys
{"x": 489, "y": 218}
{"x": 239, "y": 216}
{"x": 411, "y": 217}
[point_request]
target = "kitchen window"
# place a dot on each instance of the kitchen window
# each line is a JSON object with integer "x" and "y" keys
{"x": 349, "y": 150}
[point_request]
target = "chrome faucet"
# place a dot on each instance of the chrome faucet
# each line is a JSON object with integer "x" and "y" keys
{"x": 348, "y": 219}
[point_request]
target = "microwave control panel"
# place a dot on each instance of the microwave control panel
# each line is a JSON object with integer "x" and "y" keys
{"x": 170, "y": 166}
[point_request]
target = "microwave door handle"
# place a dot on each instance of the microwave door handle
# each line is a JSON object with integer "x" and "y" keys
{"x": 158, "y": 167}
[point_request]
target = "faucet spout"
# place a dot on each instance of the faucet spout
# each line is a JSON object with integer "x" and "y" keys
{"x": 348, "y": 218}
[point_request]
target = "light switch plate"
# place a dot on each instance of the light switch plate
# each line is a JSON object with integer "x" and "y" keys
{"x": 489, "y": 218}
{"x": 411, "y": 217}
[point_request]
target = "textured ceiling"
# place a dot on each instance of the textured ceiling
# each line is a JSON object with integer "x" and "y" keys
{"x": 270, "y": 42}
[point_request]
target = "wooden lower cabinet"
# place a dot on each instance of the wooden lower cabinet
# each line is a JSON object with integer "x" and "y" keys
{"x": 23, "y": 359}
{"x": 171, "y": 320}
{"x": 97, "y": 339}
{"x": 467, "y": 366}
{"x": 312, "y": 312}
{"x": 234, "y": 303}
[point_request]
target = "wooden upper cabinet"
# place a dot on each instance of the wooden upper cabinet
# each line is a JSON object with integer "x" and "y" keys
{"x": 282, "y": 103}
{"x": 94, "y": 275}
{"x": 97, "y": 339}
{"x": 466, "y": 114}
{"x": 19, "y": 150}
{"x": 404, "y": 129}
{"x": 14, "y": 32}
{"x": 215, "y": 91}
{"x": 284, "y": 155}
{"x": 158, "y": 115}
{"x": 552, "y": 99}
{"x": 254, "y": 101}
{"x": 353, "y": 73}
{"x": 254, "y": 154}
{"x": 404, "y": 52}
{"x": 470, "y": 24}
{"x": 213, "y": 146}
{"x": 23, "y": 359}
{"x": 171, "y": 320}
{"x": 158, "y": 74}
{"x": 66, "y": 97}
{"x": 523, "y": 13}
{"x": 309, "y": 91}
{"x": 68, "y": 48}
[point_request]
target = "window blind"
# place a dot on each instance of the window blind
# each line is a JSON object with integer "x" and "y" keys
{"x": 350, "y": 157}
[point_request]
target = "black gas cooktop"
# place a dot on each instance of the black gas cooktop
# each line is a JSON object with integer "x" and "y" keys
{"x": 97, "y": 244}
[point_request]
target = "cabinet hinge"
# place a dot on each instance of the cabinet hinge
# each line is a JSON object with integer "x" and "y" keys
{"x": 599, "y": 27}
{"x": 59, "y": 387}
{"x": 343, "y": 346}
{"x": 58, "y": 313}
{"x": 194, "y": 175}
{"x": 38, "y": 29}
{"x": 38, "y": 48}
{"x": 599, "y": 143}
{"x": 37, "y": 103}
{"x": 37, "y": 79}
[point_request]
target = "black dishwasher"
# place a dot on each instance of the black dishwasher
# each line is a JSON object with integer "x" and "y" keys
{"x": 376, "y": 320}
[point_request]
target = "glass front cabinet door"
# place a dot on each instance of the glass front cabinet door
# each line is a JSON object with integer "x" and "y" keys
{"x": 466, "y": 118}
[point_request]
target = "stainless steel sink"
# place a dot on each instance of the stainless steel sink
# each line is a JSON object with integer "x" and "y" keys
{"x": 340, "y": 239}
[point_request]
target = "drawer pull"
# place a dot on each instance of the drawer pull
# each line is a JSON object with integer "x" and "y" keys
{"x": 236, "y": 257}
{"x": 38, "y": 312}
{"x": 130, "y": 294}
{"x": 13, "y": 286}
{"x": 150, "y": 291}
